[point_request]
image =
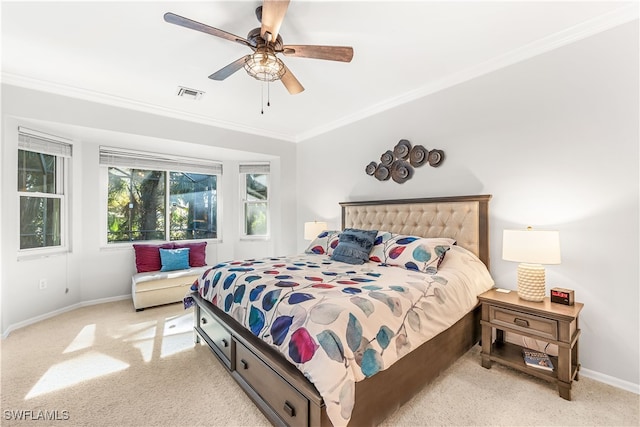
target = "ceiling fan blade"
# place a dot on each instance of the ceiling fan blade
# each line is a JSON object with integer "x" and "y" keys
{"x": 273, "y": 12}
{"x": 332, "y": 53}
{"x": 172, "y": 18}
{"x": 226, "y": 71}
{"x": 290, "y": 82}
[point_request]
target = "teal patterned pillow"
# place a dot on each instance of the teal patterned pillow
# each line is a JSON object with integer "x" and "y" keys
{"x": 354, "y": 246}
{"x": 324, "y": 243}
{"x": 410, "y": 252}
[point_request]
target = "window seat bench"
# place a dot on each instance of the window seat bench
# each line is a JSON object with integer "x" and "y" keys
{"x": 162, "y": 287}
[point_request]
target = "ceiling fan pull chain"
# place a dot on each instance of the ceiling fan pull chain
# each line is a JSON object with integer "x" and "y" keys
{"x": 268, "y": 94}
{"x": 262, "y": 98}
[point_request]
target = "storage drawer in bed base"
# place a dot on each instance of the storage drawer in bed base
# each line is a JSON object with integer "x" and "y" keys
{"x": 283, "y": 394}
{"x": 216, "y": 335}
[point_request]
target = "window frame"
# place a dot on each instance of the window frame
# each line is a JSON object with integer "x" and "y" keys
{"x": 131, "y": 159}
{"x": 61, "y": 148}
{"x": 254, "y": 169}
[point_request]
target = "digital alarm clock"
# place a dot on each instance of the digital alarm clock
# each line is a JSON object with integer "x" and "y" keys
{"x": 562, "y": 296}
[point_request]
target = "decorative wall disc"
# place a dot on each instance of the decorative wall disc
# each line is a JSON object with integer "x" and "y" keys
{"x": 418, "y": 156}
{"x": 401, "y": 171}
{"x": 387, "y": 158}
{"x": 382, "y": 172}
{"x": 436, "y": 157}
{"x": 402, "y": 149}
{"x": 371, "y": 168}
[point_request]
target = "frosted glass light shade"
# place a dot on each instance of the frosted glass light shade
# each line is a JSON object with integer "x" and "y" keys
{"x": 312, "y": 229}
{"x": 531, "y": 248}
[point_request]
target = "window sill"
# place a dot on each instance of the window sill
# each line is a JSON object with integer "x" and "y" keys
{"x": 255, "y": 238}
{"x": 29, "y": 256}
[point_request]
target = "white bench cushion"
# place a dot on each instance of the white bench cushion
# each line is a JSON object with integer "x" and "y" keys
{"x": 162, "y": 287}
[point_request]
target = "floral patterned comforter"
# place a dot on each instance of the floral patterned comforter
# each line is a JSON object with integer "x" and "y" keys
{"x": 340, "y": 323}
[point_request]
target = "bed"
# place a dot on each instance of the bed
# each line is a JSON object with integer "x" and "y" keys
{"x": 316, "y": 342}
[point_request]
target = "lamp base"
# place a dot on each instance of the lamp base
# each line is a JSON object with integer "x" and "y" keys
{"x": 531, "y": 282}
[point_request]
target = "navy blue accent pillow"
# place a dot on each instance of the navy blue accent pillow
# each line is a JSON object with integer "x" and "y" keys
{"x": 354, "y": 246}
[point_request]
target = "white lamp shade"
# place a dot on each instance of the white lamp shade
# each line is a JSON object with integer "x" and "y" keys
{"x": 531, "y": 246}
{"x": 312, "y": 229}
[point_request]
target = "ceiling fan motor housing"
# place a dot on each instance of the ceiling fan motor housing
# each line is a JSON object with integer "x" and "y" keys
{"x": 256, "y": 39}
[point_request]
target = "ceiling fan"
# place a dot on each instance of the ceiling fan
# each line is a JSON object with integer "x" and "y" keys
{"x": 265, "y": 42}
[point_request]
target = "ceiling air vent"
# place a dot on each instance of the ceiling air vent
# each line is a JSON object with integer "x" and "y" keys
{"x": 185, "y": 92}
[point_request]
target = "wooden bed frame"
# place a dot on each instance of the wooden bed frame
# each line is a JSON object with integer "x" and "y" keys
{"x": 282, "y": 392}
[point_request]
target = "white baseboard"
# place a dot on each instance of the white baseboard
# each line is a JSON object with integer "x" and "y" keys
{"x": 612, "y": 381}
{"x": 51, "y": 314}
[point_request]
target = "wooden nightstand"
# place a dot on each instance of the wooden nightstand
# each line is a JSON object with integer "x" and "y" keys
{"x": 546, "y": 321}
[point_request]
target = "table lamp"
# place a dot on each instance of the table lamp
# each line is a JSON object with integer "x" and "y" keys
{"x": 312, "y": 229}
{"x": 531, "y": 248}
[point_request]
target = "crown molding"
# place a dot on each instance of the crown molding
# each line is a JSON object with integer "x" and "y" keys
{"x": 120, "y": 102}
{"x": 565, "y": 37}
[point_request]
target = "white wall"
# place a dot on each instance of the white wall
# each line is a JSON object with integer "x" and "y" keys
{"x": 91, "y": 271}
{"x": 554, "y": 139}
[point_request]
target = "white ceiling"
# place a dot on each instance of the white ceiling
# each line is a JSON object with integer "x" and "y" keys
{"x": 124, "y": 54}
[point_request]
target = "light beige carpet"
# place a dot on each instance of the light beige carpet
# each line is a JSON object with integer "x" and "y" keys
{"x": 107, "y": 365}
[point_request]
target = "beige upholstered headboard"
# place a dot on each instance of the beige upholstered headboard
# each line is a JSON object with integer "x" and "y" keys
{"x": 464, "y": 218}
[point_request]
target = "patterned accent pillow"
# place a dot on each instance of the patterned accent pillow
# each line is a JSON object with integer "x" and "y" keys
{"x": 174, "y": 259}
{"x": 410, "y": 252}
{"x": 324, "y": 243}
{"x": 354, "y": 246}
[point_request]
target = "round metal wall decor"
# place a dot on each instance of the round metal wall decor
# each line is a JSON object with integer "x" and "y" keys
{"x": 399, "y": 163}
{"x": 435, "y": 157}
{"x": 401, "y": 171}
{"x": 402, "y": 149}
{"x": 382, "y": 173}
{"x": 371, "y": 168}
{"x": 418, "y": 156}
{"x": 387, "y": 158}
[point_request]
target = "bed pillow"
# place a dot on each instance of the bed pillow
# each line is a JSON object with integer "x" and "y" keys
{"x": 410, "y": 252}
{"x": 354, "y": 246}
{"x": 197, "y": 253}
{"x": 148, "y": 256}
{"x": 324, "y": 243}
{"x": 174, "y": 259}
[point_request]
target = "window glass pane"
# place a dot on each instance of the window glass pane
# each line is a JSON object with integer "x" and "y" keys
{"x": 256, "y": 219}
{"x": 193, "y": 201}
{"x": 135, "y": 205}
{"x": 36, "y": 172}
{"x": 256, "y": 186}
{"x": 39, "y": 222}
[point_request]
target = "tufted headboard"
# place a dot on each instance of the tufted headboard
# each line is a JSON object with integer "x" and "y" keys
{"x": 464, "y": 218}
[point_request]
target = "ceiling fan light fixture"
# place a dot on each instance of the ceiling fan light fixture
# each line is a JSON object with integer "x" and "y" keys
{"x": 264, "y": 65}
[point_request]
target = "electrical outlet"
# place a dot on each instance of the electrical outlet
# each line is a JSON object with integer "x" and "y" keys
{"x": 43, "y": 284}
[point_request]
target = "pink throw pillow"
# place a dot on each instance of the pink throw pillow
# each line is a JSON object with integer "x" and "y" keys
{"x": 148, "y": 256}
{"x": 197, "y": 253}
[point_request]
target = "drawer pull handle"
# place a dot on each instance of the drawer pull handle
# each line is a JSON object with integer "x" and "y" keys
{"x": 244, "y": 364}
{"x": 290, "y": 410}
{"x": 203, "y": 320}
{"x": 521, "y": 322}
{"x": 225, "y": 343}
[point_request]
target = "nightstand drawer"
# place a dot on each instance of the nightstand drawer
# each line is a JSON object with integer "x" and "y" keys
{"x": 523, "y": 322}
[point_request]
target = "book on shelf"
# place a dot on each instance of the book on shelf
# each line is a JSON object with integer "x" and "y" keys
{"x": 537, "y": 359}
